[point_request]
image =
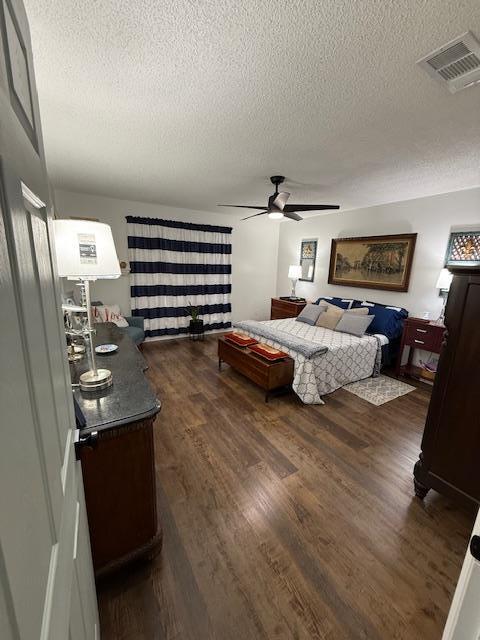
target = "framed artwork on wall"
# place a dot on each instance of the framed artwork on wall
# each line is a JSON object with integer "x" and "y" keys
{"x": 463, "y": 249}
{"x": 18, "y": 72}
{"x": 308, "y": 255}
{"x": 373, "y": 262}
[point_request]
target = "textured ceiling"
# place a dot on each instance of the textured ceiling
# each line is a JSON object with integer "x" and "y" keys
{"x": 192, "y": 103}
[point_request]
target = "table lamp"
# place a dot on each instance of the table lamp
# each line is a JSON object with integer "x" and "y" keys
{"x": 444, "y": 281}
{"x": 294, "y": 273}
{"x": 85, "y": 251}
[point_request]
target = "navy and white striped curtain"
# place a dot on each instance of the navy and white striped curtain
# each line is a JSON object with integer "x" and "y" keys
{"x": 174, "y": 265}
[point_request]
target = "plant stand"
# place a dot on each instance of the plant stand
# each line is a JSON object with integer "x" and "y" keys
{"x": 196, "y": 330}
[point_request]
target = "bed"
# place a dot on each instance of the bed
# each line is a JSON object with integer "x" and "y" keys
{"x": 347, "y": 358}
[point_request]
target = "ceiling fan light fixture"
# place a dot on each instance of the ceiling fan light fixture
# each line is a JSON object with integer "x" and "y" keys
{"x": 277, "y": 207}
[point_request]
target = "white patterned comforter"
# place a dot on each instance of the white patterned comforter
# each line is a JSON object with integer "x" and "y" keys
{"x": 348, "y": 358}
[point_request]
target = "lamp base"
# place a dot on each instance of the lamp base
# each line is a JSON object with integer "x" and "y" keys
{"x": 89, "y": 381}
{"x": 440, "y": 321}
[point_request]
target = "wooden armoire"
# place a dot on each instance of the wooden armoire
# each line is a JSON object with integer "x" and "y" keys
{"x": 450, "y": 457}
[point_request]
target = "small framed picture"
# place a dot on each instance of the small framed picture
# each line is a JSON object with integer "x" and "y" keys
{"x": 308, "y": 255}
{"x": 463, "y": 249}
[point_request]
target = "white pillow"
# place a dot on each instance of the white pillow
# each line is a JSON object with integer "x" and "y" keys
{"x": 98, "y": 313}
{"x": 109, "y": 313}
{"x": 358, "y": 311}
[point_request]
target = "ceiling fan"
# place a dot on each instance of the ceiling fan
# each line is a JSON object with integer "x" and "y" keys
{"x": 277, "y": 206}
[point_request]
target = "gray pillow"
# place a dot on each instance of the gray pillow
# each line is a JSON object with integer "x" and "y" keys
{"x": 354, "y": 324}
{"x": 310, "y": 312}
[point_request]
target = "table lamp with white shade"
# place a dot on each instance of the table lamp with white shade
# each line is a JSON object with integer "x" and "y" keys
{"x": 294, "y": 273}
{"x": 444, "y": 281}
{"x": 85, "y": 251}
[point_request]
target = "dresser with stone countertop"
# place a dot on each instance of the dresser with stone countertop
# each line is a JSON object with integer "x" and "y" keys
{"x": 117, "y": 456}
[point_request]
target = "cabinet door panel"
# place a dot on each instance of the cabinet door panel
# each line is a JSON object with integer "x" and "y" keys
{"x": 458, "y": 436}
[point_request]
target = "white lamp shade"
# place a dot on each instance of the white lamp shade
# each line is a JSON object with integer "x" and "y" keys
{"x": 294, "y": 271}
{"x": 85, "y": 250}
{"x": 444, "y": 279}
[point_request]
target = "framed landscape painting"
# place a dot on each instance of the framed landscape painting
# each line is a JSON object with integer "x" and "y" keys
{"x": 373, "y": 262}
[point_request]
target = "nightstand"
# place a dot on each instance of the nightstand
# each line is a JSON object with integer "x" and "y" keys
{"x": 418, "y": 334}
{"x": 285, "y": 309}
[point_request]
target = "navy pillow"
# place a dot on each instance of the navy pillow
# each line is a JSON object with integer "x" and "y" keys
{"x": 388, "y": 322}
{"x": 338, "y": 302}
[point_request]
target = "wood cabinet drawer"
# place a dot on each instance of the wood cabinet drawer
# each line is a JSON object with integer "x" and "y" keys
{"x": 284, "y": 305}
{"x": 428, "y": 337}
{"x": 285, "y": 309}
{"x": 278, "y": 314}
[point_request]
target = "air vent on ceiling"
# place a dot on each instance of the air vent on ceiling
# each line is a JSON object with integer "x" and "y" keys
{"x": 456, "y": 64}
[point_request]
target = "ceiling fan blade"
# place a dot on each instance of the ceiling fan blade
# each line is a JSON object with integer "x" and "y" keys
{"x": 239, "y": 206}
{"x": 309, "y": 207}
{"x": 281, "y": 200}
{"x": 292, "y": 216}
{"x": 255, "y": 215}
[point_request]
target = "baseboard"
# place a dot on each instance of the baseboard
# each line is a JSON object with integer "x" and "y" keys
{"x": 183, "y": 336}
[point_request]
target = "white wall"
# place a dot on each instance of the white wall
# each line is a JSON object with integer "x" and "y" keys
{"x": 432, "y": 218}
{"x": 254, "y": 248}
{"x": 256, "y": 245}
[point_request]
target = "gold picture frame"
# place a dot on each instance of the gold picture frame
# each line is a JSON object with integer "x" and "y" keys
{"x": 373, "y": 262}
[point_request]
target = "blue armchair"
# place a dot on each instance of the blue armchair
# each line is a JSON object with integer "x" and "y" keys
{"x": 135, "y": 327}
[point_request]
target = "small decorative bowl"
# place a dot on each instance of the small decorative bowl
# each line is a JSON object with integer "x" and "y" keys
{"x": 106, "y": 348}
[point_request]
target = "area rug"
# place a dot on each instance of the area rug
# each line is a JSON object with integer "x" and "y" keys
{"x": 379, "y": 390}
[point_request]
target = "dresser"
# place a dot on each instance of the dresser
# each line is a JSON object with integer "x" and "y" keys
{"x": 116, "y": 450}
{"x": 449, "y": 461}
{"x": 418, "y": 334}
{"x": 285, "y": 308}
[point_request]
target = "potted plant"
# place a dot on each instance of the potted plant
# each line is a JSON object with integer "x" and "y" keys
{"x": 196, "y": 323}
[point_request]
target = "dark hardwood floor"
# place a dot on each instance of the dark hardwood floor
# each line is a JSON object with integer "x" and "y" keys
{"x": 285, "y": 521}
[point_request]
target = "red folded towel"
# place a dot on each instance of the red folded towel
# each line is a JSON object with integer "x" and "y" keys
{"x": 267, "y": 352}
{"x": 240, "y": 339}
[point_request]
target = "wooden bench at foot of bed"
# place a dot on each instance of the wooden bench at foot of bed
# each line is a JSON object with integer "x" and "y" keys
{"x": 268, "y": 375}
